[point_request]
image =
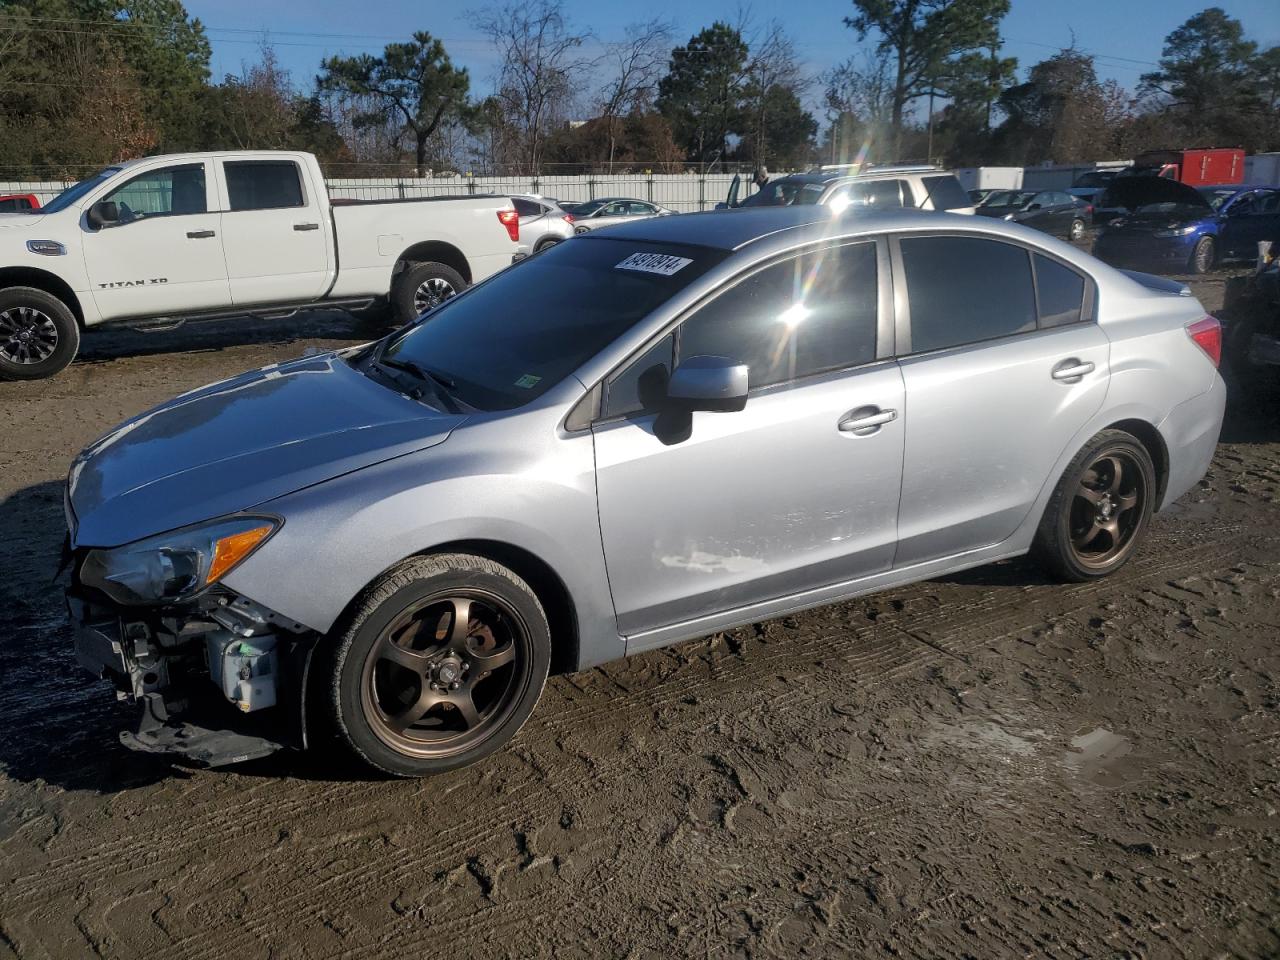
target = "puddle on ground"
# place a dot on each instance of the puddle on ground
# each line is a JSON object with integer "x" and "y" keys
{"x": 1100, "y": 756}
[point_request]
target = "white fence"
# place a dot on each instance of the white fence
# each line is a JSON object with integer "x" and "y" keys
{"x": 679, "y": 191}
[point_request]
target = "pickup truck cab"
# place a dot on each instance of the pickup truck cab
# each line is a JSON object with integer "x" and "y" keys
{"x": 201, "y": 235}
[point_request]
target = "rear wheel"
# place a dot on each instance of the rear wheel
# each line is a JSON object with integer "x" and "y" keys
{"x": 422, "y": 287}
{"x": 1099, "y": 511}
{"x": 441, "y": 664}
{"x": 1202, "y": 255}
{"x": 546, "y": 243}
{"x": 39, "y": 335}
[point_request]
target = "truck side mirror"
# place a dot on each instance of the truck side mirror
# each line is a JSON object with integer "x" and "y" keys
{"x": 104, "y": 213}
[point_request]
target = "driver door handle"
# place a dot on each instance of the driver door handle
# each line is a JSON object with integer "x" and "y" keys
{"x": 306, "y": 226}
{"x": 865, "y": 421}
{"x": 200, "y": 234}
{"x": 1072, "y": 370}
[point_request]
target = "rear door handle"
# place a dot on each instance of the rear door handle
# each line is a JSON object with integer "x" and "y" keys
{"x": 200, "y": 234}
{"x": 306, "y": 226}
{"x": 865, "y": 421}
{"x": 1072, "y": 370}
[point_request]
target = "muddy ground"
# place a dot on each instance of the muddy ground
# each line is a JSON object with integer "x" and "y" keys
{"x": 985, "y": 765}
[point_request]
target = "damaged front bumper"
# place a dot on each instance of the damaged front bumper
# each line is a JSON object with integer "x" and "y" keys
{"x": 219, "y": 681}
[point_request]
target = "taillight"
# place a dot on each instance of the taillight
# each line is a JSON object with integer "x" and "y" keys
{"x": 1207, "y": 333}
{"x": 511, "y": 220}
{"x": 568, "y": 218}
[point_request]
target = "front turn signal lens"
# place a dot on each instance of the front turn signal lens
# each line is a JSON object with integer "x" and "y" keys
{"x": 230, "y": 550}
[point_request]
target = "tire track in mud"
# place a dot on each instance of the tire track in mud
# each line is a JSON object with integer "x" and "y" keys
{"x": 890, "y": 661}
{"x": 882, "y": 658}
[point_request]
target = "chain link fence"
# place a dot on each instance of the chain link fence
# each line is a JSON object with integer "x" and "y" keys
{"x": 694, "y": 189}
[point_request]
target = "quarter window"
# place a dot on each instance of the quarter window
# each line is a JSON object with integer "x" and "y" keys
{"x": 965, "y": 290}
{"x": 945, "y": 192}
{"x": 1059, "y": 293}
{"x": 163, "y": 192}
{"x": 262, "y": 184}
{"x": 641, "y": 384}
{"x": 803, "y": 316}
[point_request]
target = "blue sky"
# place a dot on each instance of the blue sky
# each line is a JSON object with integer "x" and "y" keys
{"x": 1126, "y": 35}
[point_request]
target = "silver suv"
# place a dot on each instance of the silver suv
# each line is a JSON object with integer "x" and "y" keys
{"x": 657, "y": 431}
{"x": 849, "y": 185}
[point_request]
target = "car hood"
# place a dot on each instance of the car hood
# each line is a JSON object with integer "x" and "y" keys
{"x": 236, "y": 444}
{"x": 1130, "y": 193}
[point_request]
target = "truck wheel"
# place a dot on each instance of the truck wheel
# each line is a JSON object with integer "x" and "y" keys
{"x": 1098, "y": 512}
{"x": 38, "y": 334}
{"x": 423, "y": 287}
{"x": 1202, "y": 255}
{"x": 440, "y": 663}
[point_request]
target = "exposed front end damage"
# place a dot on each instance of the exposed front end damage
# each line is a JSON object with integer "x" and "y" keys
{"x": 219, "y": 680}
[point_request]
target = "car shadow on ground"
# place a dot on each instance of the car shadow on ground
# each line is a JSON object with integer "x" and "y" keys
{"x": 208, "y": 336}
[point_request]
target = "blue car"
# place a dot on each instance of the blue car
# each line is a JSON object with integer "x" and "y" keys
{"x": 1170, "y": 227}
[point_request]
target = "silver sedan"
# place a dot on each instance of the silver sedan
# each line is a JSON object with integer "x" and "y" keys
{"x": 610, "y": 211}
{"x": 682, "y": 425}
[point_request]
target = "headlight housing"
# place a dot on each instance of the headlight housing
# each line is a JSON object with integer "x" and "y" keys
{"x": 177, "y": 565}
{"x": 1176, "y": 231}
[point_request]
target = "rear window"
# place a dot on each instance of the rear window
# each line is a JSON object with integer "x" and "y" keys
{"x": 262, "y": 184}
{"x": 1059, "y": 293}
{"x": 513, "y": 337}
{"x": 966, "y": 289}
{"x": 527, "y": 208}
{"x": 945, "y": 192}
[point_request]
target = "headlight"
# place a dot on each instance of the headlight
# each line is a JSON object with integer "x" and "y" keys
{"x": 1176, "y": 231}
{"x": 176, "y": 565}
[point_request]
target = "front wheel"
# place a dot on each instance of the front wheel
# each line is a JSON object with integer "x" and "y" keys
{"x": 441, "y": 663}
{"x": 1202, "y": 256}
{"x": 1099, "y": 511}
{"x": 422, "y": 287}
{"x": 39, "y": 335}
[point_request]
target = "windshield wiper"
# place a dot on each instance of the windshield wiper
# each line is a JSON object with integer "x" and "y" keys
{"x": 441, "y": 386}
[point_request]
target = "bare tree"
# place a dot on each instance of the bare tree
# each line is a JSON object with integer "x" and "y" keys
{"x": 542, "y": 66}
{"x": 859, "y": 98}
{"x": 634, "y": 65}
{"x": 773, "y": 67}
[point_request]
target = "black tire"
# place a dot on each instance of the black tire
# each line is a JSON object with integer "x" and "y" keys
{"x": 546, "y": 243}
{"x": 1202, "y": 256}
{"x": 364, "y": 681}
{"x": 39, "y": 335}
{"x": 407, "y": 288}
{"x": 1063, "y": 542}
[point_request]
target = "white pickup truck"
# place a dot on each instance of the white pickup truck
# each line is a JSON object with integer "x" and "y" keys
{"x": 197, "y": 235}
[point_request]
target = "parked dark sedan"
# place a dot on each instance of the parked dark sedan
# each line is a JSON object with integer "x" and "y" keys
{"x": 1049, "y": 210}
{"x": 1167, "y": 225}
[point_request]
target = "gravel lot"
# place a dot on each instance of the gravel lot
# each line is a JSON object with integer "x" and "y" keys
{"x": 984, "y": 765}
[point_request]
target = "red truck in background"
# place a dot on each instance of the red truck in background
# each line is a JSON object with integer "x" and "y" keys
{"x": 1196, "y": 168}
{"x": 18, "y": 202}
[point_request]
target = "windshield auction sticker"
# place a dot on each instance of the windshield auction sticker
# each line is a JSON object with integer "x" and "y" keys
{"x": 662, "y": 263}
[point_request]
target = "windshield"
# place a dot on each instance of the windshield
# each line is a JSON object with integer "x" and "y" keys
{"x": 1217, "y": 198}
{"x": 1094, "y": 180}
{"x": 786, "y": 193}
{"x": 512, "y": 338}
{"x": 1009, "y": 198}
{"x": 74, "y": 193}
{"x": 591, "y": 206}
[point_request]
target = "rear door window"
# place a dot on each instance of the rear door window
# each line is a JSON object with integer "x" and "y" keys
{"x": 800, "y": 317}
{"x": 945, "y": 192}
{"x": 263, "y": 184}
{"x": 1059, "y": 293}
{"x": 527, "y": 208}
{"x": 965, "y": 290}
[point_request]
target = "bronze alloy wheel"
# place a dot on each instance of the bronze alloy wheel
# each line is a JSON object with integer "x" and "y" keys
{"x": 1107, "y": 509}
{"x": 444, "y": 674}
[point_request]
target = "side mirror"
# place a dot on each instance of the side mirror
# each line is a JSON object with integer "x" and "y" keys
{"x": 708, "y": 383}
{"x": 104, "y": 213}
{"x": 1033, "y": 206}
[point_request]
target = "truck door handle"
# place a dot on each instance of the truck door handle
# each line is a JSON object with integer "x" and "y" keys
{"x": 306, "y": 226}
{"x": 200, "y": 234}
{"x": 1072, "y": 370}
{"x": 865, "y": 421}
